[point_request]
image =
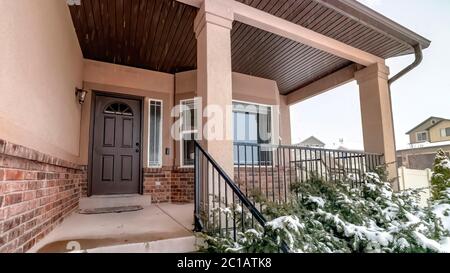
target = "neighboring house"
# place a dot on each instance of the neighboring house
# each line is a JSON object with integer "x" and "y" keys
{"x": 87, "y": 93}
{"x": 421, "y": 156}
{"x": 312, "y": 142}
{"x": 433, "y": 129}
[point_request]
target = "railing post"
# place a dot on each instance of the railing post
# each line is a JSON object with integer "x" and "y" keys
{"x": 197, "y": 218}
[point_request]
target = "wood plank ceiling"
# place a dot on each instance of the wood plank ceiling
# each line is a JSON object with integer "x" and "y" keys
{"x": 158, "y": 35}
{"x": 151, "y": 34}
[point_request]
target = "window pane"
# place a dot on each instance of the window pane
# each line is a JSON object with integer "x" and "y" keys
{"x": 422, "y": 136}
{"x": 447, "y": 131}
{"x": 252, "y": 124}
{"x": 239, "y": 127}
{"x": 189, "y": 115}
{"x": 188, "y": 149}
{"x": 155, "y": 143}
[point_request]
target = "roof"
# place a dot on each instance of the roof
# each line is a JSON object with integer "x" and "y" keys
{"x": 425, "y": 121}
{"x": 311, "y": 140}
{"x": 425, "y": 145}
{"x": 159, "y": 36}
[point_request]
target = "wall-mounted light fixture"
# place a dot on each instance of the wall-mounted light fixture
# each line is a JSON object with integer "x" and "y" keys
{"x": 80, "y": 94}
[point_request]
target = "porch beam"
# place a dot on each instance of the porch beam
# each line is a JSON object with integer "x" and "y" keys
{"x": 284, "y": 28}
{"x": 336, "y": 79}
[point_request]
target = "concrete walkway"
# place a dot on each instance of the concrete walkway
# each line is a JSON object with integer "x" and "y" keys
{"x": 154, "y": 223}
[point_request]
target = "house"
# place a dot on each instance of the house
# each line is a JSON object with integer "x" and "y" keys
{"x": 433, "y": 129}
{"x": 162, "y": 99}
{"x": 421, "y": 156}
{"x": 312, "y": 142}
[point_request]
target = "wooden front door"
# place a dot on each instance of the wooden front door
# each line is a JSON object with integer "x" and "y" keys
{"x": 116, "y": 152}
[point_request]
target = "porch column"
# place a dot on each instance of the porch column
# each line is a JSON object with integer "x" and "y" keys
{"x": 214, "y": 80}
{"x": 376, "y": 112}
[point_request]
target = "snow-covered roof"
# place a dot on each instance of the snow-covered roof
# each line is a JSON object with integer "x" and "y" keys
{"x": 427, "y": 145}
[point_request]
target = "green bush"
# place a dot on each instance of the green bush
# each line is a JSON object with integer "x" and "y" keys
{"x": 440, "y": 181}
{"x": 325, "y": 217}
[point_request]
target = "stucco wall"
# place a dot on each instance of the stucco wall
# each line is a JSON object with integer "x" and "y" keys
{"x": 435, "y": 132}
{"x": 138, "y": 82}
{"x": 113, "y": 78}
{"x": 40, "y": 65}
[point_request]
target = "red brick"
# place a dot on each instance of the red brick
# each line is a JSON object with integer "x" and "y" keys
{"x": 29, "y": 195}
{"x": 12, "y": 199}
{"x": 14, "y": 175}
{"x": 10, "y": 224}
{"x": 30, "y": 175}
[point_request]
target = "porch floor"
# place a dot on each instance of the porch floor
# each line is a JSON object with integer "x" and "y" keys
{"x": 153, "y": 223}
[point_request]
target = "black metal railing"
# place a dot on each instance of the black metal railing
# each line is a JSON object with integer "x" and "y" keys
{"x": 220, "y": 205}
{"x": 225, "y": 206}
{"x": 269, "y": 170}
{"x": 221, "y": 208}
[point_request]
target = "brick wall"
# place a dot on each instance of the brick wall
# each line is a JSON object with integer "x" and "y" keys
{"x": 36, "y": 192}
{"x": 272, "y": 183}
{"x": 169, "y": 184}
{"x": 177, "y": 185}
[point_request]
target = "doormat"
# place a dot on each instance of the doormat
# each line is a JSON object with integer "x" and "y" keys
{"x": 110, "y": 210}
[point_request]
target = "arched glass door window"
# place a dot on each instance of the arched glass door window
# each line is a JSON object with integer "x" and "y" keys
{"x": 118, "y": 108}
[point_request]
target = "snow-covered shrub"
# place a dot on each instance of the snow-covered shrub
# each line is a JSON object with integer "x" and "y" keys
{"x": 440, "y": 181}
{"x": 332, "y": 217}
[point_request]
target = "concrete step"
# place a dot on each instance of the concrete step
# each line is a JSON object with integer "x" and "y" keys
{"x": 175, "y": 245}
{"x": 111, "y": 201}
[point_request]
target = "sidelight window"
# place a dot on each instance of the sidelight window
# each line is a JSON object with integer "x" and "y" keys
{"x": 155, "y": 134}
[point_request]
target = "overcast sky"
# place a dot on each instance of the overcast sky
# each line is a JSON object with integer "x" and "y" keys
{"x": 422, "y": 93}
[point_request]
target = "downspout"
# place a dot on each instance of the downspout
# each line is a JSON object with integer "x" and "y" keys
{"x": 417, "y": 61}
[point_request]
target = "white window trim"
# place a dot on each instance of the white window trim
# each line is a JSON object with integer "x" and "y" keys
{"x": 182, "y": 165}
{"x": 444, "y": 132}
{"x": 182, "y": 133}
{"x": 422, "y": 132}
{"x": 272, "y": 119}
{"x": 272, "y": 127}
{"x": 160, "y": 135}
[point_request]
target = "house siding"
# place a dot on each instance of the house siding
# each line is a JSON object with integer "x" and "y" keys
{"x": 435, "y": 132}
{"x": 421, "y": 128}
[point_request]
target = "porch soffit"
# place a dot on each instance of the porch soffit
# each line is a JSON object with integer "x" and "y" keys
{"x": 158, "y": 35}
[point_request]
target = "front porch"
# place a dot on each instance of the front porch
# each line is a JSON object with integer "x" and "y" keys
{"x": 132, "y": 66}
{"x": 124, "y": 232}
